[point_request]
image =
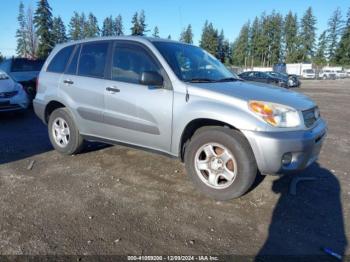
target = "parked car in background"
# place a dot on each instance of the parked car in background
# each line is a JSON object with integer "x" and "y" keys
{"x": 293, "y": 80}
{"x": 178, "y": 99}
{"x": 264, "y": 77}
{"x": 327, "y": 74}
{"x": 24, "y": 71}
{"x": 12, "y": 95}
{"x": 340, "y": 74}
{"x": 309, "y": 74}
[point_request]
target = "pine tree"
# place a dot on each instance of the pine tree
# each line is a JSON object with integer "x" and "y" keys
{"x": 187, "y": 35}
{"x": 275, "y": 38}
{"x": 75, "y": 29}
{"x": 91, "y": 27}
{"x": 21, "y": 33}
{"x": 169, "y": 37}
{"x": 58, "y": 31}
{"x": 155, "y": 32}
{"x": 209, "y": 38}
{"x": 334, "y": 33}
{"x": 43, "y": 25}
{"x": 118, "y": 26}
{"x": 107, "y": 28}
{"x": 142, "y": 22}
{"x": 255, "y": 35}
{"x": 307, "y": 35}
{"x": 220, "y": 53}
{"x": 1, "y": 57}
{"x": 320, "y": 56}
{"x": 31, "y": 36}
{"x": 290, "y": 37}
{"x": 136, "y": 28}
{"x": 83, "y": 25}
{"x": 342, "y": 54}
{"x": 240, "y": 50}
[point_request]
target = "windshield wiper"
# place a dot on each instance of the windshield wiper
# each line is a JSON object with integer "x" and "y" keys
{"x": 229, "y": 79}
{"x": 201, "y": 80}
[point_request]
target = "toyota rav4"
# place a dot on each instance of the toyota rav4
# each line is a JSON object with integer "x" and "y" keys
{"x": 178, "y": 99}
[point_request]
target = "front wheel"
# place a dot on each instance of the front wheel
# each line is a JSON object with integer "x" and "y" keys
{"x": 220, "y": 162}
{"x": 63, "y": 133}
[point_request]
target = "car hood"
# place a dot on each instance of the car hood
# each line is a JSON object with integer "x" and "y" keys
{"x": 253, "y": 91}
{"x": 7, "y": 85}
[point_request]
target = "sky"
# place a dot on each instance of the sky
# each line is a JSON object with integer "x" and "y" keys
{"x": 170, "y": 16}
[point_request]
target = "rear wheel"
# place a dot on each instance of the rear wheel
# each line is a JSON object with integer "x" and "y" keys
{"x": 63, "y": 133}
{"x": 220, "y": 163}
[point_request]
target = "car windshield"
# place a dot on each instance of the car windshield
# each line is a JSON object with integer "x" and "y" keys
{"x": 309, "y": 71}
{"x": 26, "y": 65}
{"x": 193, "y": 64}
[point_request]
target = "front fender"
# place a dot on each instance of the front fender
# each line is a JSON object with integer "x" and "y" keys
{"x": 232, "y": 112}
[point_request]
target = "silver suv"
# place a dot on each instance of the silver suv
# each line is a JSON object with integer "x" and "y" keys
{"x": 177, "y": 99}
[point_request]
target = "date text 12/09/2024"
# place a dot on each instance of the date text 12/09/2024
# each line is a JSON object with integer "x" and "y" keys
{"x": 173, "y": 258}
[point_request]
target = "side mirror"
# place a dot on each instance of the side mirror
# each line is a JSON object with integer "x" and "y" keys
{"x": 151, "y": 78}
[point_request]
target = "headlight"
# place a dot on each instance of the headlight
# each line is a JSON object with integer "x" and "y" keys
{"x": 275, "y": 114}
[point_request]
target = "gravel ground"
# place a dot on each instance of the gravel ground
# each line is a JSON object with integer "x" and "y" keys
{"x": 117, "y": 200}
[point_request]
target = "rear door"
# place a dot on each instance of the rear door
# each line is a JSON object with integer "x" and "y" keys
{"x": 83, "y": 83}
{"x": 135, "y": 113}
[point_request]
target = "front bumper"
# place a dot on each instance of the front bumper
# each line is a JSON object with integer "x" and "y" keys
{"x": 17, "y": 102}
{"x": 269, "y": 148}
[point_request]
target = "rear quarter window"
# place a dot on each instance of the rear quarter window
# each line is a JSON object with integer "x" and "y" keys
{"x": 60, "y": 60}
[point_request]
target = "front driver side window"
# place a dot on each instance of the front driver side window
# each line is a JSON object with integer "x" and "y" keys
{"x": 129, "y": 62}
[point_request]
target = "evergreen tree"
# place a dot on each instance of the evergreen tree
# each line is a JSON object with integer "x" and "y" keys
{"x": 255, "y": 35}
{"x": 187, "y": 35}
{"x": 43, "y": 25}
{"x": 107, "y": 28}
{"x": 209, "y": 38}
{"x": 1, "y": 57}
{"x": 320, "y": 56}
{"x": 118, "y": 26}
{"x": 155, "y": 32}
{"x": 83, "y": 25}
{"x": 91, "y": 28}
{"x": 21, "y": 33}
{"x": 58, "y": 31}
{"x": 334, "y": 32}
{"x": 290, "y": 36}
{"x": 136, "y": 28}
{"x": 220, "y": 53}
{"x": 75, "y": 29}
{"x": 31, "y": 36}
{"x": 142, "y": 23}
{"x": 342, "y": 55}
{"x": 275, "y": 38}
{"x": 169, "y": 37}
{"x": 307, "y": 35}
{"x": 240, "y": 50}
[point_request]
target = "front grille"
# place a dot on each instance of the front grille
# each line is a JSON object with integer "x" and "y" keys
{"x": 310, "y": 116}
{"x": 8, "y": 94}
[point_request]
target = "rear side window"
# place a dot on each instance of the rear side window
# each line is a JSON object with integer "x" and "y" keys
{"x": 72, "y": 68}
{"x": 59, "y": 62}
{"x": 26, "y": 65}
{"x": 129, "y": 62}
{"x": 93, "y": 57}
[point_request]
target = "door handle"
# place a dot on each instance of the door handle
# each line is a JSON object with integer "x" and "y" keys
{"x": 68, "y": 82}
{"x": 113, "y": 89}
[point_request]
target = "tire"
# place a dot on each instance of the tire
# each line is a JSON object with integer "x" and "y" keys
{"x": 74, "y": 141}
{"x": 324, "y": 77}
{"x": 243, "y": 162}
